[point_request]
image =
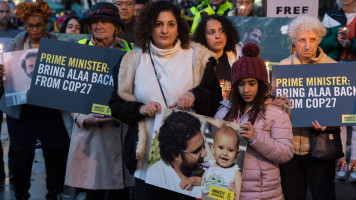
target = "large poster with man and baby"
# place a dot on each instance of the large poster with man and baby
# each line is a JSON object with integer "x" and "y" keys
{"x": 211, "y": 164}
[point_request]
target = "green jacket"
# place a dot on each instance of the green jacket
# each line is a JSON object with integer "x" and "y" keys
{"x": 207, "y": 9}
{"x": 333, "y": 20}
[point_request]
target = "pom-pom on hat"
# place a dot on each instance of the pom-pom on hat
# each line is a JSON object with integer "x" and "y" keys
{"x": 27, "y": 9}
{"x": 249, "y": 65}
{"x": 103, "y": 10}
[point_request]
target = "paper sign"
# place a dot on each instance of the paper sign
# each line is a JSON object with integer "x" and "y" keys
{"x": 292, "y": 8}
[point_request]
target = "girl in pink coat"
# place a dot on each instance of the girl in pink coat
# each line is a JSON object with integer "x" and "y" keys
{"x": 266, "y": 123}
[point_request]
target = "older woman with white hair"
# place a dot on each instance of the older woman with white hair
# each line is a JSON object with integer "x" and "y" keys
{"x": 304, "y": 170}
{"x": 306, "y": 33}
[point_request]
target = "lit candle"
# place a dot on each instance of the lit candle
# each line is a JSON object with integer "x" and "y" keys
{"x": 242, "y": 7}
{"x": 345, "y": 29}
{"x": 267, "y": 67}
{"x": 2, "y": 60}
{"x": 1, "y": 55}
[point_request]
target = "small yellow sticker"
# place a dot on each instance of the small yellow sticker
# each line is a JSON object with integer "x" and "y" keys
{"x": 220, "y": 194}
{"x": 348, "y": 119}
{"x": 101, "y": 109}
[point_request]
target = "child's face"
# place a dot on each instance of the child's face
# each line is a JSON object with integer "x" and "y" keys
{"x": 248, "y": 88}
{"x": 225, "y": 149}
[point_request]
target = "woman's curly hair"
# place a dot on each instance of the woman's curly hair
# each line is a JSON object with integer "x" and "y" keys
{"x": 27, "y": 9}
{"x": 148, "y": 18}
{"x": 232, "y": 36}
{"x": 178, "y": 128}
{"x": 237, "y": 103}
{"x": 66, "y": 21}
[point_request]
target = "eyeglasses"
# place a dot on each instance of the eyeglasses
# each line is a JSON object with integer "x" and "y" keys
{"x": 121, "y": 3}
{"x": 196, "y": 154}
{"x": 213, "y": 32}
{"x": 33, "y": 26}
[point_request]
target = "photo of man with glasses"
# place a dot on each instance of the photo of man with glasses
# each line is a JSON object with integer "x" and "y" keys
{"x": 182, "y": 150}
{"x": 253, "y": 34}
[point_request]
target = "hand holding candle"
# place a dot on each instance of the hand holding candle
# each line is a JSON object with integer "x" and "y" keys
{"x": 1, "y": 55}
{"x": 346, "y": 29}
{"x": 242, "y": 11}
{"x": 2, "y": 68}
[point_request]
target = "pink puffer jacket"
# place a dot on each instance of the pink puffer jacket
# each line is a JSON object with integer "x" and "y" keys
{"x": 271, "y": 145}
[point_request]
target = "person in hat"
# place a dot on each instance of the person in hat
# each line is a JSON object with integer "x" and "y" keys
{"x": 103, "y": 22}
{"x": 95, "y": 159}
{"x": 28, "y": 123}
{"x": 266, "y": 123}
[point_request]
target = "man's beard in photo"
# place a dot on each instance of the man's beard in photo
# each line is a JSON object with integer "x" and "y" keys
{"x": 4, "y": 21}
{"x": 187, "y": 168}
{"x": 248, "y": 39}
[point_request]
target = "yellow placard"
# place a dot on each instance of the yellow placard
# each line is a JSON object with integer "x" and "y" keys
{"x": 101, "y": 109}
{"x": 220, "y": 194}
{"x": 348, "y": 119}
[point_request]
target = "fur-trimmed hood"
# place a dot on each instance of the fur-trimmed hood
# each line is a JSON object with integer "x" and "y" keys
{"x": 128, "y": 66}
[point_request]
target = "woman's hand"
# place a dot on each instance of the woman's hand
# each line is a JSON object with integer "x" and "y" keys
{"x": 318, "y": 127}
{"x": 345, "y": 42}
{"x": 151, "y": 109}
{"x": 342, "y": 39}
{"x": 248, "y": 131}
{"x": 185, "y": 101}
{"x": 2, "y": 71}
{"x": 95, "y": 119}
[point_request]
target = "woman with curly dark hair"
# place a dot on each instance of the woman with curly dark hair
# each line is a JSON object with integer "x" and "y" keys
{"x": 71, "y": 25}
{"x": 219, "y": 35}
{"x": 28, "y": 123}
{"x": 266, "y": 123}
{"x": 166, "y": 71}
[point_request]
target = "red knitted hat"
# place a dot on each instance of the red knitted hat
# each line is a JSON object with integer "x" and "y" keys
{"x": 249, "y": 65}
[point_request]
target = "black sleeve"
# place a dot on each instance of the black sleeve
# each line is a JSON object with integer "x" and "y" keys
{"x": 208, "y": 93}
{"x": 127, "y": 112}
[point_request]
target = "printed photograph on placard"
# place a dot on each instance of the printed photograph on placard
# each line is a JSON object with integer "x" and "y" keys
{"x": 19, "y": 66}
{"x": 196, "y": 155}
{"x": 270, "y": 33}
